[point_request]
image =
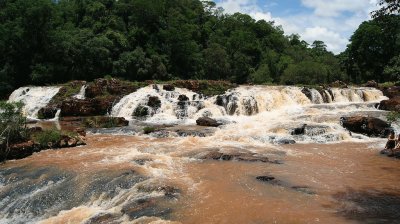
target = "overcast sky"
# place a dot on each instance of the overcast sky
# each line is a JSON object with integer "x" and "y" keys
{"x": 332, "y": 21}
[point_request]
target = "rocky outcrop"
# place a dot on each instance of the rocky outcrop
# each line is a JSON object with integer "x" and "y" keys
{"x": 101, "y": 87}
{"x": 338, "y": 84}
{"x": 168, "y": 87}
{"x": 392, "y": 104}
{"x": 369, "y": 126}
{"x": 206, "y": 121}
{"x": 104, "y": 122}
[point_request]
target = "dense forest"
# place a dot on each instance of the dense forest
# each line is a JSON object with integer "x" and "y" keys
{"x": 54, "y": 41}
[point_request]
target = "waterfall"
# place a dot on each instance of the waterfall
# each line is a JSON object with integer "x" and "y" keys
{"x": 81, "y": 94}
{"x": 33, "y": 98}
{"x": 152, "y": 103}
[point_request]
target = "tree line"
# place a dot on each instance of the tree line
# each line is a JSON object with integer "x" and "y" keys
{"x": 54, "y": 41}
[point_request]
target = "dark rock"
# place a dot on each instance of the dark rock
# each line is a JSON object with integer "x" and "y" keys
{"x": 229, "y": 102}
{"x": 392, "y": 104}
{"x": 265, "y": 178}
{"x": 168, "y": 87}
{"x": 141, "y": 111}
{"x": 145, "y": 207}
{"x": 391, "y": 92}
{"x": 206, "y": 121}
{"x": 102, "y": 218}
{"x": 183, "y": 98}
{"x": 244, "y": 157}
{"x": 369, "y": 126}
{"x": 299, "y": 131}
{"x": 306, "y": 91}
{"x": 47, "y": 112}
{"x": 154, "y": 102}
{"x": 19, "y": 151}
{"x": 285, "y": 142}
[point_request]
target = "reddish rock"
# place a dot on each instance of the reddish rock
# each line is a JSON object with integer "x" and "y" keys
{"x": 392, "y": 104}
{"x": 369, "y": 126}
{"x": 391, "y": 92}
{"x": 101, "y": 87}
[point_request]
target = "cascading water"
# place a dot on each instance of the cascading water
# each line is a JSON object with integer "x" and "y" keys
{"x": 81, "y": 94}
{"x": 143, "y": 179}
{"x": 33, "y": 98}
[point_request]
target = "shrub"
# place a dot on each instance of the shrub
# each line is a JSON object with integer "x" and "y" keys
{"x": 393, "y": 117}
{"x": 47, "y": 137}
{"x": 12, "y": 124}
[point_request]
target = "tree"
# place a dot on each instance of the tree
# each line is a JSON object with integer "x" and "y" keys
{"x": 388, "y": 7}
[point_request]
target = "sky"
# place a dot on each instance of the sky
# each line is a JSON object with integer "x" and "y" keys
{"x": 332, "y": 21}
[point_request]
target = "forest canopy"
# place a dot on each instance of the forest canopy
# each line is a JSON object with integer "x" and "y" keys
{"x": 54, "y": 41}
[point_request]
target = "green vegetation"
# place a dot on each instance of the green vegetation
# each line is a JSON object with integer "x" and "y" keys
{"x": 48, "y": 138}
{"x": 141, "y": 111}
{"x": 12, "y": 123}
{"x": 393, "y": 117}
{"x": 101, "y": 122}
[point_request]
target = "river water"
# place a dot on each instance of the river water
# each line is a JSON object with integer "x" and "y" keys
{"x": 328, "y": 176}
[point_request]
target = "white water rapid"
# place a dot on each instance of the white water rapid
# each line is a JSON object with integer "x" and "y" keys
{"x": 33, "y": 98}
{"x": 81, "y": 94}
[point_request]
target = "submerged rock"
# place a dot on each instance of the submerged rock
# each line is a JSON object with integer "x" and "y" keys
{"x": 369, "y": 126}
{"x": 206, "y": 121}
{"x": 245, "y": 157}
{"x": 299, "y": 131}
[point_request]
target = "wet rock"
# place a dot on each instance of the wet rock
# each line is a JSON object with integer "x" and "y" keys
{"x": 244, "y": 157}
{"x": 145, "y": 207}
{"x": 285, "y": 141}
{"x": 103, "y": 218}
{"x": 306, "y": 91}
{"x": 273, "y": 181}
{"x": 206, "y": 121}
{"x": 265, "y": 178}
{"x": 47, "y": 112}
{"x": 299, "y": 130}
{"x": 81, "y": 131}
{"x": 141, "y": 111}
{"x": 142, "y": 161}
{"x": 154, "y": 102}
{"x": 168, "y": 87}
{"x": 229, "y": 102}
{"x": 392, "y": 104}
{"x": 369, "y": 126}
{"x": 183, "y": 98}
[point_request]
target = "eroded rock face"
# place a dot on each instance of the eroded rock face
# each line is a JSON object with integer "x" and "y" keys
{"x": 206, "y": 121}
{"x": 111, "y": 86}
{"x": 369, "y": 126}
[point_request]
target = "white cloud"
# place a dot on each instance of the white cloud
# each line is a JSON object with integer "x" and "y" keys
{"x": 331, "y": 21}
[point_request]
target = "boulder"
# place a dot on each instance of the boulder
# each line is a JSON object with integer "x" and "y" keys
{"x": 244, "y": 157}
{"x": 183, "y": 98}
{"x": 48, "y": 112}
{"x": 338, "y": 84}
{"x": 299, "y": 130}
{"x": 168, "y": 87}
{"x": 369, "y": 126}
{"x": 391, "y": 91}
{"x": 104, "y": 122}
{"x": 154, "y": 102}
{"x": 392, "y": 104}
{"x": 206, "y": 121}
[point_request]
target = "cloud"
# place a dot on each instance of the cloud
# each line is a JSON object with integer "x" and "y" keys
{"x": 334, "y": 7}
{"x": 331, "y": 21}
